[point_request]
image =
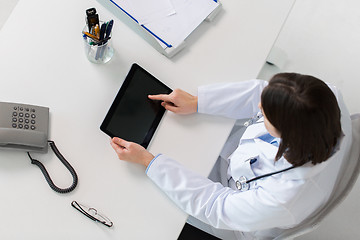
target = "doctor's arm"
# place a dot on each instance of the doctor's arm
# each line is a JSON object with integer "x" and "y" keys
{"x": 178, "y": 101}
{"x": 210, "y": 202}
{"x": 236, "y": 100}
{"x": 214, "y": 204}
{"x": 131, "y": 152}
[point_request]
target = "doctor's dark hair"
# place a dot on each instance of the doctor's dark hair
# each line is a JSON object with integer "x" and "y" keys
{"x": 305, "y": 112}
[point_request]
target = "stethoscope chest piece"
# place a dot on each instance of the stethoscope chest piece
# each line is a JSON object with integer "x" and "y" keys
{"x": 241, "y": 184}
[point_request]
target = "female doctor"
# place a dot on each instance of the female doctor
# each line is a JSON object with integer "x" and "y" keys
{"x": 283, "y": 167}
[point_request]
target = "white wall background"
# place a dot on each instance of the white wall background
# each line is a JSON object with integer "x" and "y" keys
{"x": 320, "y": 38}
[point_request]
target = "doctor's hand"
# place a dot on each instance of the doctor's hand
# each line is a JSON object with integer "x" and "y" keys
{"x": 131, "y": 152}
{"x": 178, "y": 101}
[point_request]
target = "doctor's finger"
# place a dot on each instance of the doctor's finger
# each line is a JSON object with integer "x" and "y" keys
{"x": 120, "y": 142}
{"x": 170, "y": 106}
{"x": 162, "y": 97}
{"x": 118, "y": 149}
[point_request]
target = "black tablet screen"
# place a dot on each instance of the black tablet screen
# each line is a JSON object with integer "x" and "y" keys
{"x": 133, "y": 116}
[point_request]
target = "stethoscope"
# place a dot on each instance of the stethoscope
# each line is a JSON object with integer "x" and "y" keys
{"x": 243, "y": 184}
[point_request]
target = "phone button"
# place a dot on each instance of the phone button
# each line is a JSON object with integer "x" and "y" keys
{"x": 15, "y": 114}
{"x": 33, "y": 127}
{"x": 14, "y": 125}
{"x": 26, "y": 126}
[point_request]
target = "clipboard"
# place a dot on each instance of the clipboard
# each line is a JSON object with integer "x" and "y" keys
{"x": 152, "y": 38}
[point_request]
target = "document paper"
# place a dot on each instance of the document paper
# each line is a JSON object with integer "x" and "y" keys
{"x": 172, "y": 28}
{"x": 146, "y": 11}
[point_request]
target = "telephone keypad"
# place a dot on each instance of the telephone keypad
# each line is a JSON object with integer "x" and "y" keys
{"x": 24, "y": 127}
{"x": 23, "y": 120}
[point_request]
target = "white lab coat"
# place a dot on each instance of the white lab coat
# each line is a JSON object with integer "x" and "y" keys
{"x": 272, "y": 203}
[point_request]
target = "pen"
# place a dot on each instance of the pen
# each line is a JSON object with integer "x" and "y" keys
{"x": 109, "y": 28}
{"x": 105, "y": 30}
{"x": 104, "y": 40}
{"x": 102, "y": 31}
{"x": 92, "y": 30}
{"x": 101, "y": 42}
{"x": 100, "y": 50}
{"x": 97, "y": 31}
{"x": 91, "y": 36}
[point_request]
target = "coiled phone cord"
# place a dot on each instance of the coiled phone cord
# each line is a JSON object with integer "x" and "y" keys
{"x": 46, "y": 174}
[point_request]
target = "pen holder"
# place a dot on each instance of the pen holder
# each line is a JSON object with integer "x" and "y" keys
{"x": 97, "y": 51}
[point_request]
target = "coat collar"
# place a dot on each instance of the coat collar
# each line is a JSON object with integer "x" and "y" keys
{"x": 254, "y": 131}
{"x": 306, "y": 171}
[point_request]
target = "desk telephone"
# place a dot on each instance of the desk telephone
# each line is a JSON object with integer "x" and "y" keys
{"x": 25, "y": 127}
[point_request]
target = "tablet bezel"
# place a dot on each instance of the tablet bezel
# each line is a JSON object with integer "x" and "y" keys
{"x": 155, "y": 122}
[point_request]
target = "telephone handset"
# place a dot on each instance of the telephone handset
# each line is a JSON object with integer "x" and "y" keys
{"x": 25, "y": 127}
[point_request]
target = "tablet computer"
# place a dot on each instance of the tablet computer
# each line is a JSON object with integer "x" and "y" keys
{"x": 133, "y": 116}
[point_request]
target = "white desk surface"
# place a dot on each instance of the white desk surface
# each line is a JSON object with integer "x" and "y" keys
{"x": 42, "y": 62}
